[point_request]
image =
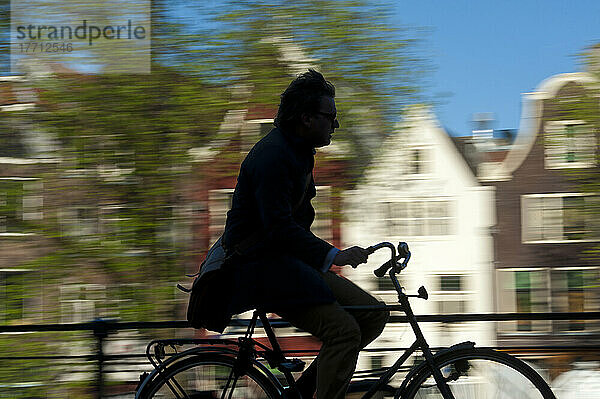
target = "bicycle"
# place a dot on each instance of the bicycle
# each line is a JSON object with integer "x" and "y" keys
{"x": 228, "y": 368}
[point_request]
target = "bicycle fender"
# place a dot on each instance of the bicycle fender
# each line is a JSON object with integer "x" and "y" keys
{"x": 198, "y": 351}
{"x": 175, "y": 358}
{"x": 423, "y": 365}
{"x": 460, "y": 345}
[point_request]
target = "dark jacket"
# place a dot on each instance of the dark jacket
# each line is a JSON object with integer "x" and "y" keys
{"x": 281, "y": 269}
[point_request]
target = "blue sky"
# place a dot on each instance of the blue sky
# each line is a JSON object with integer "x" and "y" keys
{"x": 486, "y": 53}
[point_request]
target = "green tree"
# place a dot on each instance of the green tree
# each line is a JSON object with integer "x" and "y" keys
{"x": 117, "y": 207}
{"x": 125, "y": 176}
{"x": 374, "y": 65}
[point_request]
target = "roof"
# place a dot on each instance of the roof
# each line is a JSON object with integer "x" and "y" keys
{"x": 493, "y": 160}
{"x": 464, "y": 148}
{"x": 531, "y": 119}
{"x": 7, "y": 94}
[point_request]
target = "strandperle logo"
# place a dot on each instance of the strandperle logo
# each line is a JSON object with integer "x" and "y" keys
{"x": 82, "y": 32}
{"x": 111, "y": 36}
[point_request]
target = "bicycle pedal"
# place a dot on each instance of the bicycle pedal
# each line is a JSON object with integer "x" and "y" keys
{"x": 293, "y": 365}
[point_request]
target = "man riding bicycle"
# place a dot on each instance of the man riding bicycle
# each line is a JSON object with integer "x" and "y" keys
{"x": 287, "y": 270}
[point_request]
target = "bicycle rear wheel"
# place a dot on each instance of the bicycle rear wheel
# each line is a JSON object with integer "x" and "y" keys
{"x": 482, "y": 374}
{"x": 210, "y": 375}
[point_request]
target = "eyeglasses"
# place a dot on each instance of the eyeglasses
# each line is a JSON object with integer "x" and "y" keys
{"x": 331, "y": 117}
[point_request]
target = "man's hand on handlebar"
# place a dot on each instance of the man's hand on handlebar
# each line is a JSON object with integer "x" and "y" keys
{"x": 352, "y": 256}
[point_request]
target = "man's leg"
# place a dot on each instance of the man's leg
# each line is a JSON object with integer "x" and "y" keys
{"x": 339, "y": 331}
{"x": 340, "y": 336}
{"x": 347, "y": 293}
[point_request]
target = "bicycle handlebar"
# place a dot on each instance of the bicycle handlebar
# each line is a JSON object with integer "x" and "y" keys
{"x": 380, "y": 272}
{"x": 403, "y": 253}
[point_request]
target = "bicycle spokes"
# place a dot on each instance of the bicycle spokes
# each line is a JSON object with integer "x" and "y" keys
{"x": 480, "y": 379}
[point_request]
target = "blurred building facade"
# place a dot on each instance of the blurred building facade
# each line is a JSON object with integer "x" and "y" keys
{"x": 545, "y": 222}
{"x": 421, "y": 190}
{"x": 494, "y": 224}
{"x": 25, "y": 151}
{"x": 46, "y": 199}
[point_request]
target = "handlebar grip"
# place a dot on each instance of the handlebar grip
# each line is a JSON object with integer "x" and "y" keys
{"x": 380, "y": 272}
{"x": 403, "y": 250}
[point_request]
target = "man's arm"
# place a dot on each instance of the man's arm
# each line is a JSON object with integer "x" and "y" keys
{"x": 352, "y": 256}
{"x": 329, "y": 259}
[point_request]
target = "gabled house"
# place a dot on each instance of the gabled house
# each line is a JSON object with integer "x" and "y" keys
{"x": 218, "y": 165}
{"x": 544, "y": 224}
{"x": 420, "y": 190}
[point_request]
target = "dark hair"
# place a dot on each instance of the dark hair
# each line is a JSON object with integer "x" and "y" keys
{"x": 302, "y": 95}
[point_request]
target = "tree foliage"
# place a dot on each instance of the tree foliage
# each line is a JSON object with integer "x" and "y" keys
{"x": 125, "y": 170}
{"x": 374, "y": 65}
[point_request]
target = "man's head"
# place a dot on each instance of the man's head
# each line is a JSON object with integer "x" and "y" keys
{"x": 307, "y": 108}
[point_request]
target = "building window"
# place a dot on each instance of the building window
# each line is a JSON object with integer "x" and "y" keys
{"x": 526, "y": 285}
{"x": 418, "y": 161}
{"x": 108, "y": 223}
{"x": 524, "y": 291}
{"x": 384, "y": 284}
{"x": 12, "y": 143}
{"x": 569, "y": 144}
{"x": 376, "y": 362}
{"x": 451, "y": 283}
{"x": 174, "y": 227}
{"x": 219, "y": 203}
{"x": 451, "y": 295}
{"x": 559, "y": 217}
{"x": 104, "y": 151}
{"x": 15, "y": 297}
{"x": 429, "y": 217}
{"x": 545, "y": 290}
{"x": 115, "y": 225}
{"x": 79, "y": 221}
{"x": 322, "y": 226}
{"x": 20, "y": 202}
{"x": 575, "y": 290}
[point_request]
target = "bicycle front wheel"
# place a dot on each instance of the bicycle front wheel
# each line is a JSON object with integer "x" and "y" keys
{"x": 210, "y": 375}
{"x": 480, "y": 373}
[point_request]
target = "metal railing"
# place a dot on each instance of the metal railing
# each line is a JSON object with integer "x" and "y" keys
{"x": 101, "y": 329}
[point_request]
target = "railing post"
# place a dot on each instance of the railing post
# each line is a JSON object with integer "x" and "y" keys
{"x": 101, "y": 331}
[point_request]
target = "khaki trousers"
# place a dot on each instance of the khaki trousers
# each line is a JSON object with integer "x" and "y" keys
{"x": 342, "y": 333}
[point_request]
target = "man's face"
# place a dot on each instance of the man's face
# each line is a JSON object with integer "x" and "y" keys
{"x": 322, "y": 123}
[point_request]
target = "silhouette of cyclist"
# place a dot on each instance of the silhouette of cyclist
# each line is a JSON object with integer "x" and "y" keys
{"x": 287, "y": 270}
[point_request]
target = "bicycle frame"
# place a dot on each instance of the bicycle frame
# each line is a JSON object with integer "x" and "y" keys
{"x": 246, "y": 352}
{"x": 419, "y": 344}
